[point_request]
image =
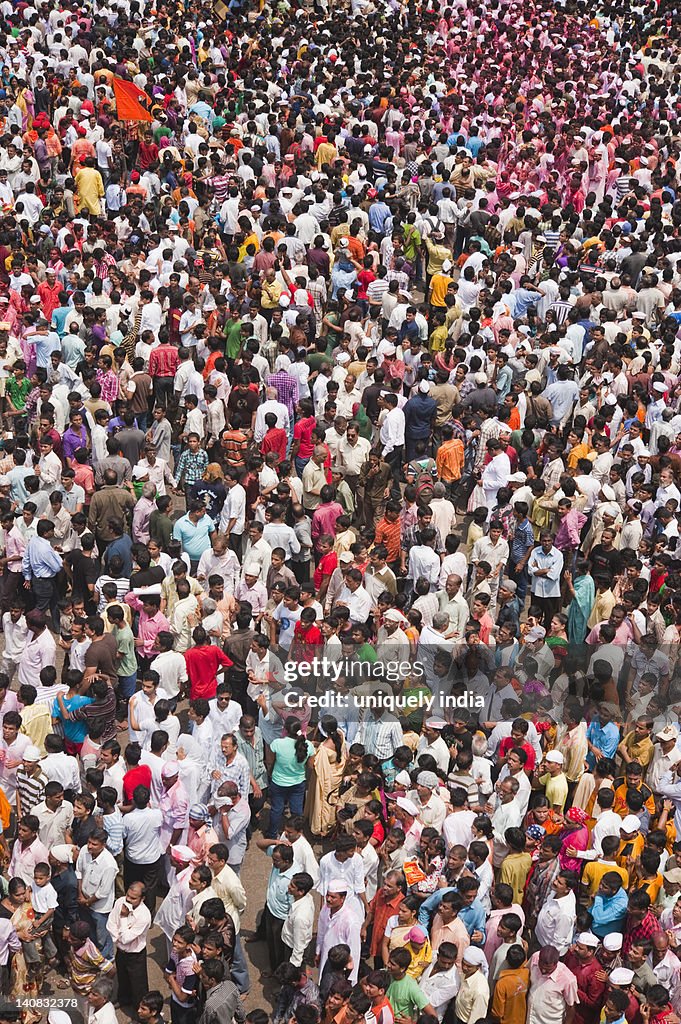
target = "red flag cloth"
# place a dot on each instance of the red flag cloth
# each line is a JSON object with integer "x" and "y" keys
{"x": 129, "y": 101}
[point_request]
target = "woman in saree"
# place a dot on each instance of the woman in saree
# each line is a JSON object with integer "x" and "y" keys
{"x": 583, "y": 593}
{"x": 25, "y": 980}
{"x": 326, "y": 774}
{"x": 574, "y": 839}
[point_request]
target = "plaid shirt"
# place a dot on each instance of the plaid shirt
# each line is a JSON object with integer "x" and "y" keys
{"x": 634, "y": 935}
{"x": 411, "y": 536}
{"x": 192, "y": 465}
{"x": 31, "y": 405}
{"x": 287, "y": 390}
{"x": 108, "y": 381}
{"x": 317, "y": 290}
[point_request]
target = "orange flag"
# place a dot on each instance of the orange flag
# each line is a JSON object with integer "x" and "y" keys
{"x": 129, "y": 101}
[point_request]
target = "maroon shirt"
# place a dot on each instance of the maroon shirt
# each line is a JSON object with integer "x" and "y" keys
{"x": 590, "y": 991}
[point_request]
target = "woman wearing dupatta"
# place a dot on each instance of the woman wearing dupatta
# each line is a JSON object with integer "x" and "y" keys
{"x": 583, "y": 594}
{"x": 326, "y": 774}
{"x": 25, "y": 980}
{"x": 575, "y": 838}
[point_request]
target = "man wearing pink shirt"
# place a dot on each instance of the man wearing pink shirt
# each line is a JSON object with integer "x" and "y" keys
{"x": 151, "y": 622}
{"x": 325, "y": 515}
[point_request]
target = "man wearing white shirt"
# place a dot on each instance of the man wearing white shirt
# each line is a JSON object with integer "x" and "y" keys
{"x": 96, "y": 871}
{"x": 128, "y": 925}
{"x": 431, "y": 742}
{"x": 424, "y": 562}
{"x": 225, "y": 713}
{"x": 355, "y": 598}
{"x": 58, "y": 766}
{"x": 114, "y": 768}
{"x": 516, "y": 759}
{"x": 440, "y": 980}
{"x": 233, "y": 515}
{"x": 392, "y": 434}
{"x": 508, "y": 814}
{"x": 453, "y": 602}
{"x": 556, "y": 921}
{"x": 344, "y": 864}
{"x": 667, "y": 753}
{"x": 299, "y": 924}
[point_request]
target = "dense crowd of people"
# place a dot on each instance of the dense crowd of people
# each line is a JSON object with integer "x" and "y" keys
{"x": 340, "y": 491}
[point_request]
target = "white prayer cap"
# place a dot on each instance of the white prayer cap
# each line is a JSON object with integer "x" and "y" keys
{"x": 621, "y": 976}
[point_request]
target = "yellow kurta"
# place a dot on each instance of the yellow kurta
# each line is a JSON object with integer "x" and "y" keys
{"x": 90, "y": 189}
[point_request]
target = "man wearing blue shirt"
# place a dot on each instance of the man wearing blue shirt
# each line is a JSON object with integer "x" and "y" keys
{"x": 603, "y": 736}
{"x": 41, "y": 565}
{"x": 193, "y": 531}
{"x": 610, "y": 906}
{"x": 472, "y": 915}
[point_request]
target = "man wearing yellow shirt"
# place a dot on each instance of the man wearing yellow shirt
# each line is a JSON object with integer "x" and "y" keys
{"x": 552, "y": 779}
{"x": 326, "y": 152}
{"x": 439, "y": 284}
{"x": 637, "y": 745}
{"x": 632, "y": 779}
{"x": 271, "y": 293}
{"x": 438, "y": 252}
{"x": 594, "y": 871}
{"x": 89, "y": 187}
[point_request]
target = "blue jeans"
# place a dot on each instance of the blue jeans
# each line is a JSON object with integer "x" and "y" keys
{"x": 239, "y": 970}
{"x": 300, "y": 465}
{"x": 126, "y": 686}
{"x": 102, "y": 939}
{"x": 279, "y": 797}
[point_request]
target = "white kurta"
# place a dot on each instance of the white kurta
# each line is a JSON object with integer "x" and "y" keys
{"x": 332, "y": 929}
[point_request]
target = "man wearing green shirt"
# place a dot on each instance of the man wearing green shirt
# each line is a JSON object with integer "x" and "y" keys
{"x": 233, "y": 334}
{"x": 404, "y": 994}
{"x": 125, "y": 652}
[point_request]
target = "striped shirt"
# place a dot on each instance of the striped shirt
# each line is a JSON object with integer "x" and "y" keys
{"x": 622, "y": 186}
{"x": 377, "y": 290}
{"x": 85, "y": 964}
{"x": 113, "y": 826}
{"x": 31, "y": 788}
{"x": 561, "y": 310}
{"x": 235, "y": 446}
{"x": 122, "y": 588}
{"x": 552, "y": 238}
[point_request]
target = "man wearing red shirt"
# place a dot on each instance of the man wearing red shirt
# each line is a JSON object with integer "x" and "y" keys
{"x": 384, "y": 905}
{"x": 204, "y": 661}
{"x": 518, "y": 738}
{"x": 586, "y": 967}
{"x": 328, "y": 562}
{"x": 276, "y": 438}
{"x": 137, "y": 774}
{"x": 307, "y": 638}
{"x": 163, "y": 364}
{"x": 303, "y": 445}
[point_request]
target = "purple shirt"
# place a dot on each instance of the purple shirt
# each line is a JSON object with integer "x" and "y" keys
{"x": 73, "y": 440}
